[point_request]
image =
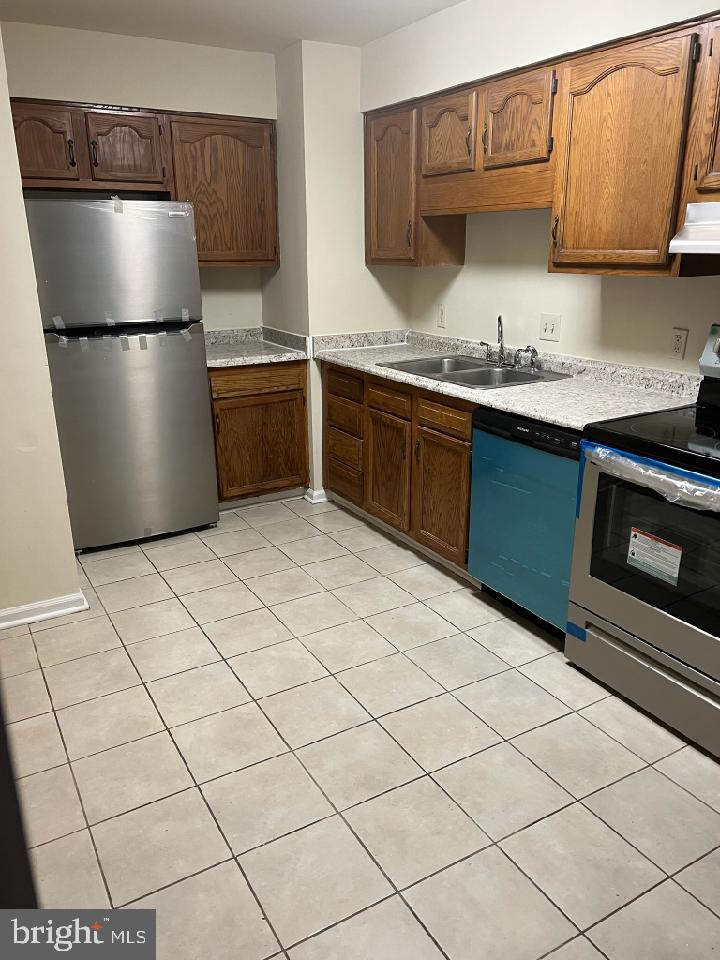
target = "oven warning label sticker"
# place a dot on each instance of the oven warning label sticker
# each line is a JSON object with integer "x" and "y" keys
{"x": 654, "y": 556}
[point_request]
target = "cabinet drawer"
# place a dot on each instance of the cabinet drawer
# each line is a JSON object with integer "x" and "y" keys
{"x": 243, "y": 381}
{"x": 344, "y": 447}
{"x": 344, "y": 480}
{"x": 346, "y": 415}
{"x": 389, "y": 400}
{"x": 345, "y": 385}
{"x": 458, "y": 423}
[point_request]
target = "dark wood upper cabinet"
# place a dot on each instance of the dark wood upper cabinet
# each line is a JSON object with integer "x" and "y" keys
{"x": 391, "y": 149}
{"x": 388, "y": 468}
{"x": 46, "y": 141}
{"x": 517, "y": 119}
{"x": 620, "y": 149}
{"x": 709, "y": 168}
{"x": 226, "y": 169}
{"x": 448, "y": 133}
{"x": 441, "y": 493}
{"x": 124, "y": 146}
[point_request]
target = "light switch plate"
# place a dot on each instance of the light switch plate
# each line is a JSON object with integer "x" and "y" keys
{"x": 550, "y": 326}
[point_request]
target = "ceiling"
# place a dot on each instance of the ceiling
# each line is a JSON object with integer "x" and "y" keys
{"x": 268, "y": 25}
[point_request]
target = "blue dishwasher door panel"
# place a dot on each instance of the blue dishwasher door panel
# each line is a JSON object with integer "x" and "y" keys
{"x": 522, "y": 522}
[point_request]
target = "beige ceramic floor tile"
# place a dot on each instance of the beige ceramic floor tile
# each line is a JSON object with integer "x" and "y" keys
{"x": 387, "y": 931}
{"x": 50, "y": 805}
{"x": 304, "y": 508}
{"x": 229, "y": 544}
{"x": 246, "y": 632}
{"x": 631, "y": 727}
{"x": 90, "y": 677}
{"x": 455, "y": 661}
{"x": 24, "y": 696}
{"x": 257, "y": 563}
{"x": 108, "y": 721}
{"x": 227, "y": 741}
{"x": 313, "y": 711}
{"x": 157, "y": 844}
{"x": 125, "y": 777}
{"x": 75, "y": 640}
{"x": 466, "y": 608}
{"x": 120, "y": 567}
{"x": 220, "y": 602}
{"x": 511, "y": 703}
{"x": 414, "y": 831}
{"x": 373, "y": 596}
{"x": 696, "y": 772}
{"x": 199, "y": 576}
{"x": 277, "y": 668}
{"x": 347, "y": 645}
{"x": 313, "y": 878}
{"x": 288, "y": 585}
{"x": 288, "y": 530}
{"x": 35, "y": 744}
{"x": 265, "y": 801}
{"x": 485, "y": 907}
{"x": 224, "y": 922}
{"x": 336, "y": 522}
{"x": 94, "y": 609}
{"x": 260, "y": 515}
{"x": 390, "y": 558}
{"x": 426, "y": 581}
{"x": 340, "y": 572}
{"x": 228, "y": 522}
{"x": 360, "y": 537}
{"x": 17, "y": 655}
{"x": 411, "y": 626}
{"x": 169, "y": 556}
{"x": 438, "y": 732}
{"x": 502, "y": 790}
{"x": 578, "y": 949}
{"x": 153, "y": 620}
{"x": 314, "y": 549}
{"x": 702, "y": 879}
{"x": 564, "y": 681}
{"x": 389, "y": 684}
{"x": 514, "y": 640}
{"x": 67, "y": 873}
{"x": 197, "y": 693}
{"x": 134, "y": 592}
{"x": 311, "y": 614}
{"x": 358, "y": 764}
{"x": 163, "y": 656}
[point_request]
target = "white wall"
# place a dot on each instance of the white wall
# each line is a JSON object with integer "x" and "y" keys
{"x": 64, "y": 64}
{"x": 623, "y": 319}
{"x": 476, "y": 39}
{"x": 36, "y": 552}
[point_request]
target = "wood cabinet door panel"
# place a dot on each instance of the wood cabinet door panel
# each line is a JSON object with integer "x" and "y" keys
{"x": 617, "y": 183}
{"x": 46, "y": 141}
{"x": 226, "y": 169}
{"x": 441, "y": 493}
{"x": 124, "y": 147}
{"x": 260, "y": 443}
{"x": 388, "y": 468}
{"x": 391, "y": 147}
{"x": 709, "y": 174}
{"x": 448, "y": 134}
{"x": 518, "y": 119}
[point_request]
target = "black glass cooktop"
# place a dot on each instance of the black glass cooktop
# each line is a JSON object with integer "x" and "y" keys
{"x": 670, "y": 436}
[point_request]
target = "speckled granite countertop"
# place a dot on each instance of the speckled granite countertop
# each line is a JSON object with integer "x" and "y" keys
{"x": 248, "y": 352}
{"x": 571, "y": 403}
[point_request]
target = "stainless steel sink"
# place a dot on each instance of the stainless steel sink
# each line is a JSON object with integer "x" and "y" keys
{"x": 430, "y": 366}
{"x": 472, "y": 372}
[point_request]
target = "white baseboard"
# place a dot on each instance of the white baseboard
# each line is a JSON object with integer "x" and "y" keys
{"x": 316, "y": 496}
{"x": 43, "y": 610}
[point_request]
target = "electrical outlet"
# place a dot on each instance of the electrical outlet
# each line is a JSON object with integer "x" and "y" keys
{"x": 678, "y": 343}
{"x": 442, "y": 316}
{"x": 550, "y": 326}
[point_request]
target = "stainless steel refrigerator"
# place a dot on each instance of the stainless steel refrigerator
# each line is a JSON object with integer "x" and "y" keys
{"x": 119, "y": 292}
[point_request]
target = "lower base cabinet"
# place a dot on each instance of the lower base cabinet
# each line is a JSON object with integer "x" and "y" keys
{"x": 414, "y": 472}
{"x": 260, "y": 426}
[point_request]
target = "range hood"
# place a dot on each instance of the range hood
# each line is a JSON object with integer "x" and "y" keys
{"x": 701, "y": 230}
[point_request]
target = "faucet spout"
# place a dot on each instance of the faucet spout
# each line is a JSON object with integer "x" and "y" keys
{"x": 501, "y": 342}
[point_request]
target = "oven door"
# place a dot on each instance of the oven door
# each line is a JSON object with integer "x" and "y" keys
{"x": 647, "y": 553}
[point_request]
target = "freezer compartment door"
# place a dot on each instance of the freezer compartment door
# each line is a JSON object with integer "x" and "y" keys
{"x": 522, "y": 522}
{"x": 134, "y": 423}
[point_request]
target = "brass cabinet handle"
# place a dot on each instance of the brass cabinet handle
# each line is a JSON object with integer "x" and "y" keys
{"x": 554, "y": 231}
{"x": 94, "y": 147}
{"x": 485, "y": 139}
{"x": 417, "y": 450}
{"x": 468, "y": 135}
{"x": 71, "y": 152}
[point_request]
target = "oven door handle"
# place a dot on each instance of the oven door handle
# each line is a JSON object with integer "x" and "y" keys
{"x": 676, "y": 485}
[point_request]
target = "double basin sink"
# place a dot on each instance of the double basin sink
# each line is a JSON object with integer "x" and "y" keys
{"x": 472, "y": 372}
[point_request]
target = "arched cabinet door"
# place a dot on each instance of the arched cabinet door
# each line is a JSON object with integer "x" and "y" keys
{"x": 391, "y": 148}
{"x": 226, "y": 169}
{"x": 517, "y": 120}
{"x": 621, "y": 139}
{"x": 448, "y": 133}
{"x": 709, "y": 167}
{"x": 46, "y": 141}
{"x": 124, "y": 146}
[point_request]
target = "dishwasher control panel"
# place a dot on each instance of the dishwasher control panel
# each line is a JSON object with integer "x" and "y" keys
{"x": 564, "y": 442}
